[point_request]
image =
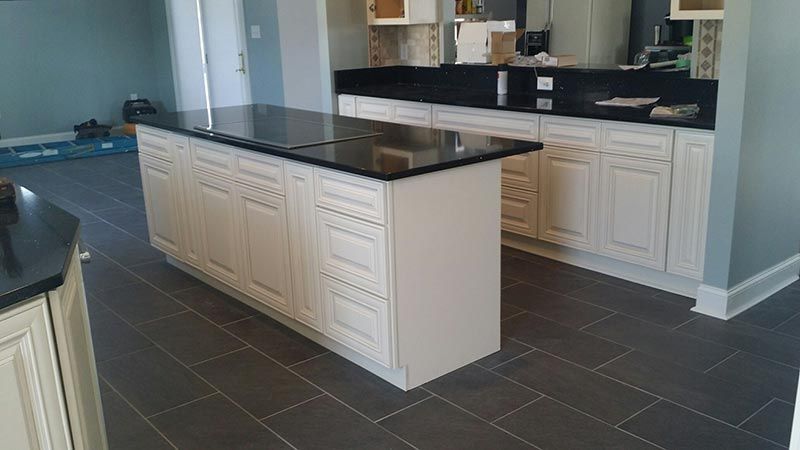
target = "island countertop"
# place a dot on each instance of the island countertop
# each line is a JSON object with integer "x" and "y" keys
{"x": 37, "y": 240}
{"x": 391, "y": 151}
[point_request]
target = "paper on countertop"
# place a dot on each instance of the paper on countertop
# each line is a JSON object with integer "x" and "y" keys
{"x": 628, "y": 102}
{"x": 637, "y": 67}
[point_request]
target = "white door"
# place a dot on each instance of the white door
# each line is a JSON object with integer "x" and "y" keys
{"x": 161, "y": 187}
{"x": 219, "y": 231}
{"x": 225, "y": 48}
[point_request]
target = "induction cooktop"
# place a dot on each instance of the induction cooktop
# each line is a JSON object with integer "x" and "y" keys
{"x": 286, "y": 132}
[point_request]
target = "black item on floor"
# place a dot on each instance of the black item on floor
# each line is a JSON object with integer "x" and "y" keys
{"x": 139, "y": 107}
{"x": 7, "y": 192}
{"x": 91, "y": 129}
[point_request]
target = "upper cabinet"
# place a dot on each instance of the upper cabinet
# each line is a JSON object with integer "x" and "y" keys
{"x": 401, "y": 12}
{"x": 697, "y": 9}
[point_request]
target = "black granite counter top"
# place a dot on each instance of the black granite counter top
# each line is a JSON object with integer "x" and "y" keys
{"x": 37, "y": 240}
{"x": 398, "y": 151}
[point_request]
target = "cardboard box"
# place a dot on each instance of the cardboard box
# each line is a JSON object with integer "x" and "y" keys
{"x": 504, "y": 42}
{"x": 503, "y": 58}
{"x": 560, "y": 61}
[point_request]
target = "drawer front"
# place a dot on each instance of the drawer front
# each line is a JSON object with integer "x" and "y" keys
{"x": 154, "y": 143}
{"x": 211, "y": 157}
{"x": 522, "y": 171}
{"x": 481, "y": 121}
{"x": 354, "y": 252}
{"x": 373, "y": 109}
{"x": 520, "y": 212}
{"x": 416, "y": 114}
{"x": 259, "y": 170}
{"x": 346, "y": 194}
{"x": 357, "y": 320}
{"x": 638, "y": 141}
{"x": 571, "y": 133}
{"x": 347, "y": 105}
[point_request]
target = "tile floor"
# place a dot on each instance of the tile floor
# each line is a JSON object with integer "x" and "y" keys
{"x": 588, "y": 361}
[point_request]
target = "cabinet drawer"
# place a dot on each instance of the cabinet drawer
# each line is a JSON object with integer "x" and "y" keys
{"x": 481, "y": 121}
{"x": 638, "y": 141}
{"x": 522, "y": 171}
{"x": 520, "y": 212}
{"x": 347, "y": 105}
{"x": 154, "y": 143}
{"x": 571, "y": 133}
{"x": 373, "y": 109}
{"x": 346, "y": 194}
{"x": 357, "y": 320}
{"x": 409, "y": 113}
{"x": 212, "y": 157}
{"x": 354, "y": 252}
{"x": 259, "y": 170}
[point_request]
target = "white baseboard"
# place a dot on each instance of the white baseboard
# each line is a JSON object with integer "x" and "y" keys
{"x": 727, "y": 304}
{"x": 39, "y": 139}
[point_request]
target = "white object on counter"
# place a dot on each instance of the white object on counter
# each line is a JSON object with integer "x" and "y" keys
{"x": 502, "y": 81}
{"x": 628, "y": 102}
{"x": 472, "y": 43}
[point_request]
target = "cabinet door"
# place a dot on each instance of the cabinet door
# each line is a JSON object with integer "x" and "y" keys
{"x": 303, "y": 243}
{"x": 32, "y": 410}
{"x": 347, "y": 105}
{"x": 265, "y": 247}
{"x": 219, "y": 230}
{"x": 411, "y": 113}
{"x": 691, "y": 189}
{"x": 522, "y": 171}
{"x": 520, "y": 212}
{"x": 192, "y": 247}
{"x": 162, "y": 191}
{"x": 568, "y": 198}
{"x": 634, "y": 210}
{"x": 374, "y": 109}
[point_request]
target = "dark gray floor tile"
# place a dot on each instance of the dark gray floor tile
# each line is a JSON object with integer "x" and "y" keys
{"x": 102, "y": 274}
{"x": 791, "y": 326}
{"x": 127, "y": 194}
{"x": 481, "y": 392}
{"x": 594, "y": 394}
{"x": 671, "y": 426}
{"x": 661, "y": 342}
{"x": 635, "y": 304}
{"x": 507, "y": 311}
{"x": 139, "y": 303}
{"x": 215, "y": 305}
{"x": 112, "y": 337}
{"x": 85, "y": 216}
{"x": 190, "y": 338}
{"x": 559, "y": 340}
{"x": 255, "y": 382}
{"x": 119, "y": 245}
{"x": 506, "y": 282}
{"x": 104, "y": 386}
{"x": 748, "y": 370}
{"x": 126, "y": 429}
{"x": 276, "y": 340}
{"x": 509, "y": 350}
{"x": 127, "y": 218}
{"x": 324, "y": 423}
{"x": 765, "y": 343}
{"x": 165, "y": 276}
{"x": 86, "y": 198}
{"x": 773, "y": 311}
{"x": 701, "y": 392}
{"x": 554, "y": 280}
{"x": 152, "y": 381}
{"x": 613, "y": 281}
{"x": 773, "y": 422}
{"x": 215, "y": 423}
{"x": 549, "y": 424}
{"x": 679, "y": 300}
{"x": 363, "y": 391}
{"x": 437, "y": 424}
{"x": 556, "y": 307}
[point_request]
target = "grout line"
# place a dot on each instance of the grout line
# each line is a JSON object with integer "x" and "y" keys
{"x": 755, "y": 413}
{"x": 309, "y": 359}
{"x": 321, "y": 394}
{"x": 430, "y": 396}
{"x": 192, "y": 365}
{"x": 233, "y": 322}
{"x": 514, "y": 315}
{"x": 597, "y": 321}
{"x": 530, "y": 349}
{"x": 517, "y": 409}
{"x": 721, "y": 362}
{"x": 785, "y": 321}
{"x": 168, "y": 316}
{"x": 636, "y": 413}
{"x": 173, "y": 408}
{"x": 686, "y": 323}
{"x": 515, "y": 283}
{"x": 631, "y": 350}
{"x": 141, "y": 350}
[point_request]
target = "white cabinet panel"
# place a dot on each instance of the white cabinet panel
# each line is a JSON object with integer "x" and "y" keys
{"x": 634, "y": 210}
{"x": 520, "y": 212}
{"x": 162, "y": 193}
{"x": 302, "y": 221}
{"x": 212, "y": 157}
{"x": 571, "y": 133}
{"x": 261, "y": 171}
{"x": 354, "y": 252}
{"x": 522, "y": 171}
{"x": 691, "y": 190}
{"x": 219, "y": 230}
{"x": 410, "y": 113}
{"x": 153, "y": 142}
{"x": 347, "y": 105}
{"x": 347, "y": 194}
{"x": 402, "y": 12}
{"x": 357, "y": 320}
{"x": 638, "y": 141}
{"x": 488, "y": 122}
{"x": 190, "y": 230}
{"x": 374, "y": 109}
{"x": 265, "y": 247}
{"x": 568, "y": 198}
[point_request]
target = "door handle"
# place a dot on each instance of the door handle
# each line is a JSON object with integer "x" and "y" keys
{"x": 241, "y": 68}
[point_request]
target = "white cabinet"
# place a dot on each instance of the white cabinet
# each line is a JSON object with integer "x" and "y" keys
{"x": 347, "y": 105}
{"x": 401, "y": 12}
{"x": 691, "y": 190}
{"x": 162, "y": 193}
{"x": 697, "y": 10}
{"x": 568, "y": 192}
{"x": 634, "y": 210}
{"x": 219, "y": 229}
{"x": 519, "y": 211}
{"x": 395, "y": 111}
{"x": 522, "y": 171}
{"x": 506, "y": 124}
{"x": 571, "y": 133}
{"x": 192, "y": 247}
{"x": 265, "y": 248}
{"x": 32, "y": 409}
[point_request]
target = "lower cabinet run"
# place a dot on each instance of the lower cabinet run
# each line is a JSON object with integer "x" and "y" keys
{"x": 350, "y": 262}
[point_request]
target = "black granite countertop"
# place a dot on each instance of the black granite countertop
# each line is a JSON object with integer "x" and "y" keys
{"x": 399, "y": 151}
{"x": 37, "y": 240}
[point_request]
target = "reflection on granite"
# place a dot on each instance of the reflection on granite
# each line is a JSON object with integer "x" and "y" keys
{"x": 398, "y": 151}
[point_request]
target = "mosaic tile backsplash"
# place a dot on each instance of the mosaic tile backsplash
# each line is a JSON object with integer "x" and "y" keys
{"x": 421, "y": 45}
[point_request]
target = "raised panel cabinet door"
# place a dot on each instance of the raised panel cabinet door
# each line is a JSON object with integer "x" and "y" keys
{"x": 691, "y": 191}
{"x": 410, "y": 113}
{"x": 522, "y": 171}
{"x": 568, "y": 191}
{"x": 374, "y": 109}
{"x": 302, "y": 221}
{"x": 634, "y": 210}
{"x": 265, "y": 247}
{"x": 347, "y": 105}
{"x": 190, "y": 228}
{"x": 520, "y": 212}
{"x": 219, "y": 229}
{"x": 162, "y": 190}
{"x": 32, "y": 410}
{"x": 507, "y": 124}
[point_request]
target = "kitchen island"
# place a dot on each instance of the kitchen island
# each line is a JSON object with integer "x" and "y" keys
{"x": 379, "y": 241}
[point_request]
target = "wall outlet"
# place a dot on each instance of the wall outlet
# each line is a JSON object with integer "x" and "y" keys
{"x": 545, "y": 104}
{"x": 134, "y": 96}
{"x": 255, "y": 31}
{"x": 544, "y": 83}
{"x": 404, "y": 51}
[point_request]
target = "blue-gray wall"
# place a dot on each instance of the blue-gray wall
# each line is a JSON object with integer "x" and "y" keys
{"x": 64, "y": 62}
{"x": 266, "y": 73}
